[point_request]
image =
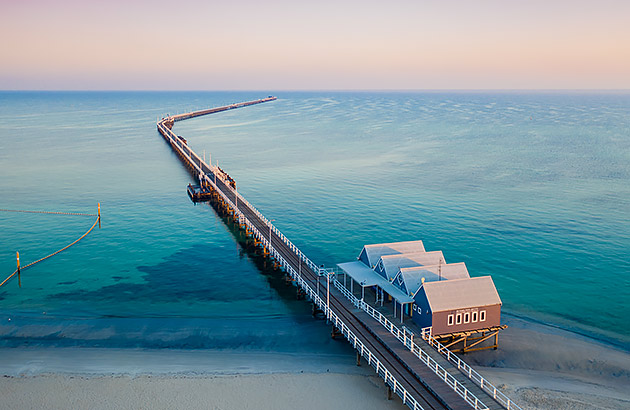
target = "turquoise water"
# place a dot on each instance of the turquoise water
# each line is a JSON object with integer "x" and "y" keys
{"x": 531, "y": 188}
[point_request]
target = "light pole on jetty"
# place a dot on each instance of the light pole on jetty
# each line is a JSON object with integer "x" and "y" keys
{"x": 323, "y": 271}
{"x": 328, "y": 295}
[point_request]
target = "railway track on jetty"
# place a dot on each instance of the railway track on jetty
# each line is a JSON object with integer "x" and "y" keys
{"x": 429, "y": 383}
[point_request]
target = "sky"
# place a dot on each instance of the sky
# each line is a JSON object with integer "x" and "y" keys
{"x": 314, "y": 45}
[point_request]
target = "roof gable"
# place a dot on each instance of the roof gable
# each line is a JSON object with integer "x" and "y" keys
{"x": 391, "y": 264}
{"x": 443, "y": 271}
{"x": 410, "y": 279}
{"x": 461, "y": 293}
{"x": 370, "y": 254}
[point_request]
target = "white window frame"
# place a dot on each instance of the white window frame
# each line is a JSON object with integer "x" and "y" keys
{"x": 467, "y": 317}
{"x": 474, "y": 316}
{"x": 458, "y": 319}
{"x": 451, "y": 320}
{"x": 482, "y": 315}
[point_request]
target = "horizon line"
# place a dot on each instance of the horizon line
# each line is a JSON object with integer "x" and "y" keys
{"x": 392, "y": 90}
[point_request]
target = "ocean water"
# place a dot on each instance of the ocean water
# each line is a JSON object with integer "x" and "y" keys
{"x": 531, "y": 188}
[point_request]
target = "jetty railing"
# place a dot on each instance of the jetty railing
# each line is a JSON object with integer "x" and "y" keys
{"x": 468, "y": 370}
{"x": 365, "y": 352}
{"x": 407, "y": 338}
{"x": 380, "y": 369}
{"x": 404, "y": 335}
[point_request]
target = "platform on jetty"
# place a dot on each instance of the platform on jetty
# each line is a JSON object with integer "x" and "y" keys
{"x": 199, "y": 194}
{"x": 417, "y": 368}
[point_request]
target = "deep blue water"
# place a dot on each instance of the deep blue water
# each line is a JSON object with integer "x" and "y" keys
{"x": 531, "y": 188}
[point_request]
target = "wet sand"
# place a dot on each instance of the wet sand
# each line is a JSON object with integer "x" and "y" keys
{"x": 539, "y": 367}
{"x": 250, "y": 391}
{"x": 64, "y": 378}
{"x": 542, "y": 367}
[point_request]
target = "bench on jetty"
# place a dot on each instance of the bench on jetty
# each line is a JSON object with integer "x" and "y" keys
{"x": 423, "y": 377}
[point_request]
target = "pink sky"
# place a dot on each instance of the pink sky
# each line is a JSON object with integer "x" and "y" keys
{"x": 282, "y": 45}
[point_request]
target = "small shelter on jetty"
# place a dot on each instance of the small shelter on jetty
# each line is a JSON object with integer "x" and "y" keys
{"x": 367, "y": 278}
{"x": 421, "y": 286}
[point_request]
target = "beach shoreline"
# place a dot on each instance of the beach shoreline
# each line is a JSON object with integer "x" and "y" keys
{"x": 538, "y": 366}
{"x": 238, "y": 391}
{"x": 61, "y": 378}
{"x": 542, "y": 366}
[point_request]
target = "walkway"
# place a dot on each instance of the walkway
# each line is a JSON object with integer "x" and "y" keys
{"x": 417, "y": 373}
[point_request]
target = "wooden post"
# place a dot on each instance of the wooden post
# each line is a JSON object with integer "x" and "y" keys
{"x": 300, "y": 293}
{"x": 99, "y": 215}
{"x": 389, "y": 392}
{"x": 18, "y": 269}
{"x": 358, "y": 358}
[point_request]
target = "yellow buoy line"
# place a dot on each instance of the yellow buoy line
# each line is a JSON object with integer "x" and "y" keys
{"x": 47, "y": 212}
{"x": 19, "y": 268}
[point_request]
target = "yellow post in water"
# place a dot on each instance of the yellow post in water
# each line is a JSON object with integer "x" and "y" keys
{"x": 99, "y": 215}
{"x": 18, "y": 269}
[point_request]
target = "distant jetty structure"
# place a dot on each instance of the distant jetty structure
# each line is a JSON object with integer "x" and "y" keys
{"x": 414, "y": 365}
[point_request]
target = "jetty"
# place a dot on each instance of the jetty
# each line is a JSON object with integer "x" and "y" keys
{"x": 416, "y": 367}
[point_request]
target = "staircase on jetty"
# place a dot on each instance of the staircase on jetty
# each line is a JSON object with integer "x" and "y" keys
{"x": 423, "y": 373}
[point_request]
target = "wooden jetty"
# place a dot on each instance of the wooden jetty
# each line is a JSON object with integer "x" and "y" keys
{"x": 417, "y": 368}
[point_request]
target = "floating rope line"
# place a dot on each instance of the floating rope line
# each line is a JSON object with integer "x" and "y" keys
{"x": 98, "y": 220}
{"x": 45, "y": 212}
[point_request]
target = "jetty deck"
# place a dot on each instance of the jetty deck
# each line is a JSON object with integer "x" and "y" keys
{"x": 422, "y": 376}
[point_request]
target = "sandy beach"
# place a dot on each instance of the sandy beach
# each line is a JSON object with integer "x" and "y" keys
{"x": 542, "y": 367}
{"x": 137, "y": 379}
{"x": 539, "y": 367}
{"x": 268, "y": 391}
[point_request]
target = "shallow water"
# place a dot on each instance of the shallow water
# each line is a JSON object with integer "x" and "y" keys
{"x": 532, "y": 188}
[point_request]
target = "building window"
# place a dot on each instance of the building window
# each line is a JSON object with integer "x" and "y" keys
{"x": 474, "y": 316}
{"x": 450, "y": 320}
{"x": 466, "y": 317}
{"x": 458, "y": 319}
{"x": 482, "y": 316}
